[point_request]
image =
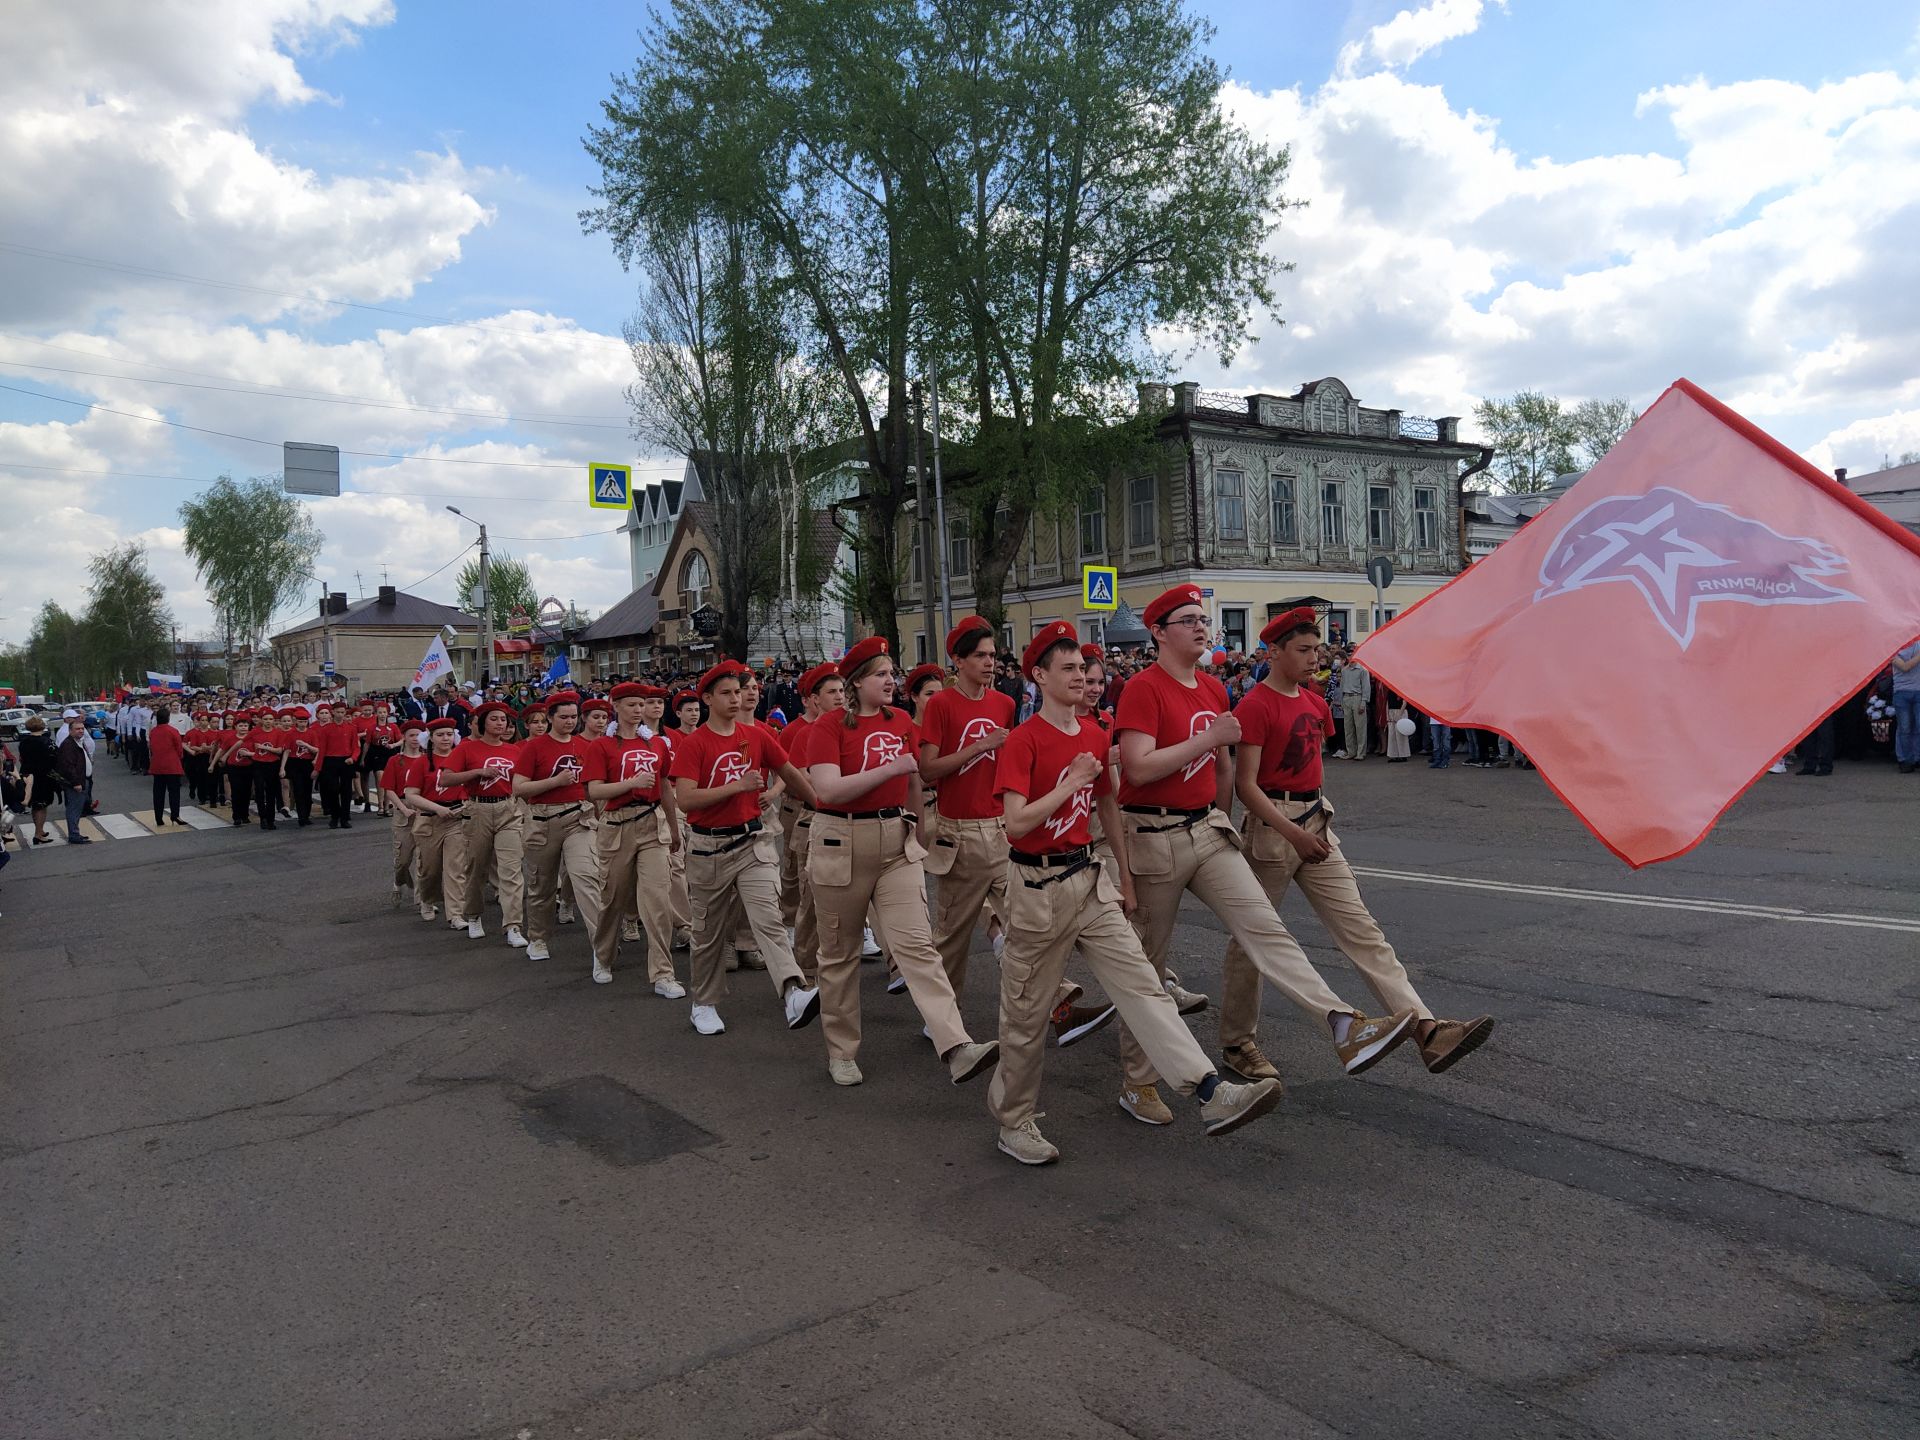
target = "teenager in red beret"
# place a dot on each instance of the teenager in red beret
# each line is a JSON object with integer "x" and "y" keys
{"x": 303, "y": 754}
{"x": 1175, "y": 796}
{"x": 237, "y": 755}
{"x": 866, "y": 852}
{"x": 1052, "y": 774}
{"x": 439, "y": 825}
{"x": 627, "y": 775}
{"x": 495, "y": 828}
{"x": 719, "y": 770}
{"x": 1289, "y": 840}
{"x": 393, "y": 787}
{"x": 822, "y": 692}
{"x": 685, "y": 709}
{"x": 961, "y": 729}
{"x": 550, "y": 775}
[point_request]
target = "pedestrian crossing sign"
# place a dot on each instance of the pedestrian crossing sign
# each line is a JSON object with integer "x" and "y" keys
{"x": 610, "y": 487}
{"x": 1099, "y": 587}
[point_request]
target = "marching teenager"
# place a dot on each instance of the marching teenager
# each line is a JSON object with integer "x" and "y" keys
{"x": 238, "y": 757}
{"x": 393, "y": 788}
{"x": 1173, "y": 721}
{"x": 1051, "y": 772}
{"x": 550, "y": 776}
{"x": 303, "y": 753}
{"x": 960, "y": 729}
{"x": 339, "y": 746}
{"x": 439, "y": 826}
{"x": 865, "y": 852}
{"x": 218, "y": 742}
{"x": 638, "y": 827}
{"x": 366, "y": 773}
{"x": 383, "y": 740}
{"x": 746, "y": 953}
{"x": 686, "y": 715}
{"x": 653, "y": 705}
{"x": 719, "y": 770}
{"x": 1289, "y": 839}
{"x": 595, "y": 715}
{"x": 269, "y": 755}
{"x": 496, "y": 834}
{"x": 194, "y": 758}
{"x": 822, "y": 693}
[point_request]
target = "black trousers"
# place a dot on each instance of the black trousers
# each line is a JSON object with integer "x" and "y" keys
{"x": 240, "y": 783}
{"x": 336, "y": 789}
{"x": 300, "y": 782}
{"x": 166, "y": 794}
{"x": 196, "y": 768}
{"x": 1816, "y": 751}
{"x": 216, "y": 781}
{"x": 266, "y": 791}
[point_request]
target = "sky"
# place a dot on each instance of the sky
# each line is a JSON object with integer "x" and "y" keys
{"x": 369, "y": 208}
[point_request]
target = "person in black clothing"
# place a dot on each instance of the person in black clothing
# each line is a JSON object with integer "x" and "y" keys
{"x": 42, "y": 778}
{"x": 1816, "y": 751}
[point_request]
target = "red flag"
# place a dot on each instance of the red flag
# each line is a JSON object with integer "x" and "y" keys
{"x": 1700, "y": 600}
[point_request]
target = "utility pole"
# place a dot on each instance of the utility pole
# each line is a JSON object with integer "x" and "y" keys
{"x": 940, "y": 508}
{"x": 926, "y": 537}
{"x": 486, "y": 616}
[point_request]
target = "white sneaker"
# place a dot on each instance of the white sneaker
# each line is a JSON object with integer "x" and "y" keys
{"x": 630, "y": 930}
{"x": 537, "y": 950}
{"x": 563, "y": 912}
{"x": 515, "y": 938}
{"x": 896, "y": 985}
{"x": 429, "y": 912}
{"x": 454, "y": 922}
{"x": 1779, "y": 767}
{"x": 802, "y": 1005}
{"x": 683, "y": 939}
{"x": 476, "y": 930}
{"x": 791, "y": 941}
{"x": 869, "y": 947}
{"x": 601, "y": 974}
{"x": 669, "y": 989}
{"x": 1339, "y": 754}
{"x": 707, "y": 1020}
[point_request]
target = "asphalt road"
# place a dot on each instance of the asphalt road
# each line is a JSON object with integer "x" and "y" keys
{"x": 280, "y": 1161}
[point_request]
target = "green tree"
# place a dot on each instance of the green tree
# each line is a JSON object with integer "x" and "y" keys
{"x": 57, "y": 659}
{"x": 254, "y": 547}
{"x": 509, "y": 587}
{"x": 1599, "y": 425}
{"x": 1907, "y": 457}
{"x": 128, "y": 627}
{"x": 1532, "y": 438}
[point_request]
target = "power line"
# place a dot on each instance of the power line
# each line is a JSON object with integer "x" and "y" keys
{"x": 276, "y": 394}
{"x": 66, "y": 258}
{"x": 556, "y": 539}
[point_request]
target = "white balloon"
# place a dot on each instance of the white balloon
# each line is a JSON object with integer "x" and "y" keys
{"x": 1405, "y": 725}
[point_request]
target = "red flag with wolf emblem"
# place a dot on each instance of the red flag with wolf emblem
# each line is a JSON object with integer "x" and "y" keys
{"x": 1698, "y": 602}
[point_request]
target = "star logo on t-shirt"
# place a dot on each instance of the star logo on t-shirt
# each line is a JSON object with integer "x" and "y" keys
{"x": 638, "y": 762}
{"x": 1196, "y": 726}
{"x": 727, "y": 769}
{"x": 977, "y": 728}
{"x": 1077, "y": 806}
{"x": 882, "y": 747}
{"x": 501, "y": 767}
{"x": 568, "y": 764}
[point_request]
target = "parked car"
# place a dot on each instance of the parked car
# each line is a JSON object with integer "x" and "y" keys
{"x": 12, "y": 718}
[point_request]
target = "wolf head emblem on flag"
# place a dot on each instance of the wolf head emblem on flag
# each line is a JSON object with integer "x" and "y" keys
{"x": 1680, "y": 553}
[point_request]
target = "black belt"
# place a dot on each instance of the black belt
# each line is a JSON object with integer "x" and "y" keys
{"x": 1292, "y": 796}
{"x": 559, "y": 814}
{"x": 892, "y": 812}
{"x": 452, "y": 807}
{"x": 491, "y": 799}
{"x": 721, "y": 831}
{"x": 1185, "y": 817}
{"x": 1061, "y": 857}
{"x": 630, "y": 813}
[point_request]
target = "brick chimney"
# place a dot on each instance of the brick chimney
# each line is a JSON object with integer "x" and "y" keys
{"x": 1840, "y": 474}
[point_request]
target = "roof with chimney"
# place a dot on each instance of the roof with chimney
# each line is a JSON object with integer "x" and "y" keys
{"x": 391, "y": 609}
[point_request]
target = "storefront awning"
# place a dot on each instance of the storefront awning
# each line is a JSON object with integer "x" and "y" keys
{"x": 511, "y": 646}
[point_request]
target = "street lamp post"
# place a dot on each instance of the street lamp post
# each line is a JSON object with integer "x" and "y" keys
{"x": 486, "y": 605}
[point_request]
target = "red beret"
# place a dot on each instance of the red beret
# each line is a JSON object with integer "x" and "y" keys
{"x": 1093, "y": 653}
{"x": 969, "y": 626}
{"x": 929, "y": 671}
{"x": 1165, "y": 604}
{"x": 818, "y": 676}
{"x": 685, "y": 697}
{"x": 443, "y": 723}
{"x": 535, "y": 707}
{"x": 563, "y": 697}
{"x": 724, "y": 670}
{"x": 292, "y": 712}
{"x": 604, "y": 707}
{"x": 629, "y": 690}
{"x": 1289, "y": 620}
{"x": 410, "y": 727}
{"x": 871, "y": 648}
{"x": 492, "y": 707}
{"x": 1049, "y": 636}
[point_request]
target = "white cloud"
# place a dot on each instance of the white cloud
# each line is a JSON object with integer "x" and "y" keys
{"x": 1398, "y": 42}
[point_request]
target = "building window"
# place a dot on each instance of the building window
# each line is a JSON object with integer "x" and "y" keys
{"x": 1233, "y": 627}
{"x": 695, "y": 580}
{"x": 1333, "y": 513}
{"x": 1093, "y": 524}
{"x": 1286, "y": 526}
{"x": 1426, "y": 518}
{"x": 920, "y": 647}
{"x": 917, "y": 552}
{"x": 1339, "y": 625}
{"x": 1140, "y": 508}
{"x": 1230, "y": 504}
{"x": 959, "y": 552}
{"x": 1380, "y": 517}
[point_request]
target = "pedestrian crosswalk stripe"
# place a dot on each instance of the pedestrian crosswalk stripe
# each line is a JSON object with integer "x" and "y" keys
{"x": 122, "y": 827}
{"x": 200, "y": 819}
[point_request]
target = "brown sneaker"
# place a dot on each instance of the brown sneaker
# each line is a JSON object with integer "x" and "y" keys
{"x": 1246, "y": 1061}
{"x": 1371, "y": 1039}
{"x": 1073, "y": 1023}
{"x": 1145, "y": 1105}
{"x": 1442, "y": 1042}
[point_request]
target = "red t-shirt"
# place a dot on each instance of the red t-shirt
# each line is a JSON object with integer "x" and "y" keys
{"x": 268, "y": 745}
{"x": 710, "y": 760}
{"x": 1158, "y": 705}
{"x": 1033, "y": 761}
{"x": 393, "y": 779}
{"x": 243, "y": 750}
{"x": 542, "y": 757}
{"x": 951, "y": 723}
{"x": 219, "y": 740}
{"x": 303, "y": 745}
{"x": 165, "y": 751}
{"x": 1291, "y": 731}
{"x": 337, "y": 741}
{"x": 497, "y": 760}
{"x": 871, "y": 743}
{"x": 423, "y": 774}
{"x": 385, "y": 733}
{"x": 616, "y": 758}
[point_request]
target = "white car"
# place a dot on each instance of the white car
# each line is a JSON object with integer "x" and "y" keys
{"x": 12, "y": 718}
